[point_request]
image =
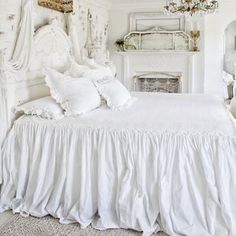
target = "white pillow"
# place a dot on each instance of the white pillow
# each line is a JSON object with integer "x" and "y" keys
{"x": 76, "y": 70}
{"x": 44, "y": 107}
{"x": 76, "y": 96}
{"x": 115, "y": 93}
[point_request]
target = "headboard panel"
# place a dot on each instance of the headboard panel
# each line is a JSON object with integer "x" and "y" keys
{"x": 51, "y": 48}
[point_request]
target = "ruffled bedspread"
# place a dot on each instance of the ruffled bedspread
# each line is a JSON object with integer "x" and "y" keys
{"x": 166, "y": 163}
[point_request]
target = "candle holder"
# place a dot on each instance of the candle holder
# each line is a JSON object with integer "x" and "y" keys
{"x": 195, "y": 35}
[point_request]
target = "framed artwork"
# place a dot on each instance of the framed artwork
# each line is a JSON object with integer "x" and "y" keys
{"x": 65, "y": 6}
{"x": 157, "y": 20}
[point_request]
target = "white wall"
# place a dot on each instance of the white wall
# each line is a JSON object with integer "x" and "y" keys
{"x": 119, "y": 26}
{"x": 215, "y": 25}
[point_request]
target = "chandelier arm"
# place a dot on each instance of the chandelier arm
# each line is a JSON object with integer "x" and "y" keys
{"x": 192, "y": 7}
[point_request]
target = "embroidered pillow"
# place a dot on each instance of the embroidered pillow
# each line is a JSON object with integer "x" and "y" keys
{"x": 115, "y": 93}
{"x": 76, "y": 96}
{"x": 45, "y": 107}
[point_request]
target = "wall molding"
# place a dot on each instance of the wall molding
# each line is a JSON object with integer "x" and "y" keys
{"x": 105, "y": 4}
{"x": 138, "y": 5}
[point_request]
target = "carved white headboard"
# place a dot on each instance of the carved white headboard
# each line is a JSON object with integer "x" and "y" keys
{"x": 51, "y": 48}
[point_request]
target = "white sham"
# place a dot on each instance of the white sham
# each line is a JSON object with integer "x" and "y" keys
{"x": 76, "y": 96}
{"x": 45, "y": 107}
{"x": 114, "y": 92}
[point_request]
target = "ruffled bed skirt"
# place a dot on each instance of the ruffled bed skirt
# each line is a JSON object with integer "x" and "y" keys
{"x": 183, "y": 184}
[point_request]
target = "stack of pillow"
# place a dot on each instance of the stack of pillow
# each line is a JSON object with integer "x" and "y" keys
{"x": 78, "y": 90}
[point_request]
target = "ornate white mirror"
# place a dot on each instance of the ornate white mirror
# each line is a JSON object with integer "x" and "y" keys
{"x": 156, "y": 40}
{"x": 230, "y": 59}
{"x": 230, "y": 47}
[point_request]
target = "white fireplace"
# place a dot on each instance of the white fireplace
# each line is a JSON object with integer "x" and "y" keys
{"x": 160, "y": 82}
{"x": 180, "y": 63}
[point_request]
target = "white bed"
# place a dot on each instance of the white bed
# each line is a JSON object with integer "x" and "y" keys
{"x": 165, "y": 163}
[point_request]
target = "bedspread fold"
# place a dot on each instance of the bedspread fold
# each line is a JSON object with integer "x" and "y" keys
{"x": 180, "y": 181}
{"x": 114, "y": 179}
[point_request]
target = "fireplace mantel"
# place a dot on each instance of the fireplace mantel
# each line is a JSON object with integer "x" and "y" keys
{"x": 171, "y": 52}
{"x": 135, "y": 62}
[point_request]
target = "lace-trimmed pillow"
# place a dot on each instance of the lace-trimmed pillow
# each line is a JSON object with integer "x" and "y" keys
{"x": 114, "y": 92}
{"x": 44, "y": 107}
{"x": 76, "y": 96}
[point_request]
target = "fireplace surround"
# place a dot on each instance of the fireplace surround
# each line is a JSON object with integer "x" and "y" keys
{"x": 170, "y": 62}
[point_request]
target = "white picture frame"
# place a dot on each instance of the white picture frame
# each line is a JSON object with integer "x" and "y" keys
{"x": 144, "y": 21}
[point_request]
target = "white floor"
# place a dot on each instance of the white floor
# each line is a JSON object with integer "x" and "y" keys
{"x": 5, "y": 217}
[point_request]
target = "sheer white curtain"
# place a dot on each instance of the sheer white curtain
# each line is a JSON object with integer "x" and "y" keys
{"x": 3, "y": 120}
{"x": 23, "y": 49}
{"x": 19, "y": 62}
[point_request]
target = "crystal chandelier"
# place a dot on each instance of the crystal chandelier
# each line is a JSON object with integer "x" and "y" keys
{"x": 191, "y": 7}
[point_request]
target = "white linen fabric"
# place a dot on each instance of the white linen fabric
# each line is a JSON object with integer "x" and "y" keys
{"x": 4, "y": 119}
{"x": 168, "y": 162}
{"x": 91, "y": 63}
{"x": 76, "y": 70}
{"x": 76, "y": 96}
{"x": 24, "y": 43}
{"x": 115, "y": 93}
{"x": 45, "y": 107}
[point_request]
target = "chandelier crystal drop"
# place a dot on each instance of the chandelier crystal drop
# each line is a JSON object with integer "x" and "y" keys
{"x": 190, "y": 7}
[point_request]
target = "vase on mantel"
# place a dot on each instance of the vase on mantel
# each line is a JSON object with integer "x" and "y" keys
{"x": 195, "y": 35}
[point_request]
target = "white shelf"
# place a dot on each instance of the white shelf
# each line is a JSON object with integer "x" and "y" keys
{"x": 171, "y": 52}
